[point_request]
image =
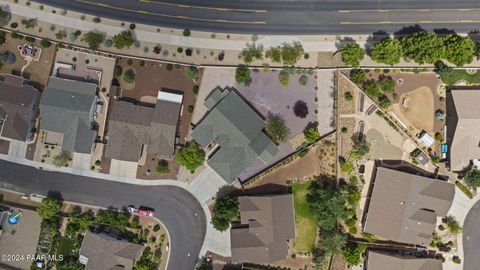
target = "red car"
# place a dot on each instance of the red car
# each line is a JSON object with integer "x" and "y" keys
{"x": 146, "y": 211}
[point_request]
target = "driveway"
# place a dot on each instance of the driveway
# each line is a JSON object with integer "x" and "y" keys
{"x": 81, "y": 161}
{"x": 181, "y": 213}
{"x": 123, "y": 168}
{"x": 206, "y": 184}
{"x": 17, "y": 148}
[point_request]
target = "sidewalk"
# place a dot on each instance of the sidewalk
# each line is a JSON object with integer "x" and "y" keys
{"x": 215, "y": 241}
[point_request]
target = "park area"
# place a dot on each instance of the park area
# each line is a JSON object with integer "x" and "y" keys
{"x": 468, "y": 76}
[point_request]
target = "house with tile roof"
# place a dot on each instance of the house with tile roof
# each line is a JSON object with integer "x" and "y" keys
{"x": 378, "y": 261}
{"x": 232, "y": 135}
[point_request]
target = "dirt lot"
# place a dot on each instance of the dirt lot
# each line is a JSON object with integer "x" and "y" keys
{"x": 319, "y": 160}
{"x": 37, "y": 72}
{"x": 346, "y": 138}
{"x": 417, "y": 106}
{"x": 153, "y": 77}
{"x": 345, "y": 85}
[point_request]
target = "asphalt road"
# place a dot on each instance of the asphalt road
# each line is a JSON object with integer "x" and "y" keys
{"x": 287, "y": 16}
{"x": 471, "y": 239}
{"x": 177, "y": 209}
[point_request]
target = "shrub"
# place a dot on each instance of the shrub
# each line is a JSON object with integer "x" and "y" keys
{"x": 306, "y": 56}
{"x": 132, "y": 26}
{"x": 346, "y": 166}
{"x": 224, "y": 211}
{"x": 348, "y": 96}
{"x": 61, "y": 160}
{"x": 96, "y": 20}
{"x": 456, "y": 259}
{"x": 29, "y": 23}
{"x": 72, "y": 37}
{"x": 162, "y": 167}
{"x": 352, "y": 54}
{"x": 284, "y": 77}
{"x": 352, "y": 253}
{"x": 123, "y": 39}
{"x": 191, "y": 156}
{"x": 192, "y": 73}
{"x": 303, "y": 80}
{"x": 472, "y": 178}
{"x": 251, "y": 52}
{"x": 179, "y": 49}
{"x": 344, "y": 129}
{"x": 186, "y": 33}
{"x": 93, "y": 39}
{"x": 312, "y": 135}
{"x": 371, "y": 89}
{"x": 357, "y": 76}
{"x": 190, "y": 108}
{"x": 30, "y": 39}
{"x": 169, "y": 67}
{"x": 384, "y": 102}
{"x": 108, "y": 43}
{"x": 141, "y": 63}
{"x": 16, "y": 35}
{"x": 14, "y": 25}
{"x": 5, "y": 16}
{"x": 386, "y": 83}
{"x": 129, "y": 76}
{"x": 242, "y": 75}
{"x": 195, "y": 89}
{"x": 129, "y": 62}
{"x": 276, "y": 129}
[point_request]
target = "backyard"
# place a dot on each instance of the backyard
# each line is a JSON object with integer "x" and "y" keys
{"x": 456, "y": 75}
{"x": 305, "y": 221}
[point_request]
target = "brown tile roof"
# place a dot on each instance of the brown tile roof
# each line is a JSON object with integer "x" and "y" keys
{"x": 267, "y": 224}
{"x": 465, "y": 145}
{"x": 404, "y": 207}
{"x": 105, "y": 252}
{"x": 133, "y": 126}
{"x": 379, "y": 261}
{"x": 18, "y": 106}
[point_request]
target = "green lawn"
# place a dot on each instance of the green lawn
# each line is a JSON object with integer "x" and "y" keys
{"x": 305, "y": 220}
{"x": 460, "y": 74}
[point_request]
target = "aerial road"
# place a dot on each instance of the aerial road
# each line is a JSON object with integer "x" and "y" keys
{"x": 471, "y": 238}
{"x": 286, "y": 16}
{"x": 177, "y": 209}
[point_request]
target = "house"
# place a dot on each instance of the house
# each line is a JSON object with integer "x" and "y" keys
{"x": 378, "y": 261}
{"x": 101, "y": 251}
{"x": 67, "y": 114}
{"x": 136, "y": 130}
{"x": 18, "y": 108}
{"x": 404, "y": 207}
{"x": 232, "y": 135}
{"x": 463, "y": 127}
{"x": 266, "y": 226}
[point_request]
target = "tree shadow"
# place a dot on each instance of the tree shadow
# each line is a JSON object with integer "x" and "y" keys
{"x": 474, "y": 35}
{"x": 55, "y": 194}
{"x": 443, "y": 31}
{"x": 340, "y": 43}
{"x": 375, "y": 37}
{"x": 270, "y": 188}
{"x": 408, "y": 30}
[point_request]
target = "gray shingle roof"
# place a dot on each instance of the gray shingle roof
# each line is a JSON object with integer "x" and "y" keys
{"x": 238, "y": 129}
{"x": 18, "y": 107}
{"x": 379, "y": 261}
{"x": 66, "y": 107}
{"x": 268, "y": 223}
{"x": 105, "y": 252}
{"x": 404, "y": 207}
{"x": 131, "y": 126}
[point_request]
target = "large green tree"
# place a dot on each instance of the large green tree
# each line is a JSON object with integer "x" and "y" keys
{"x": 123, "y": 39}
{"x": 225, "y": 210}
{"x": 423, "y": 47}
{"x": 372, "y": 89}
{"x": 352, "y": 253}
{"x": 276, "y": 129}
{"x": 472, "y": 178}
{"x": 459, "y": 50}
{"x": 360, "y": 149}
{"x": 93, "y": 39}
{"x": 388, "y": 51}
{"x": 49, "y": 208}
{"x": 358, "y": 76}
{"x": 191, "y": 156}
{"x": 352, "y": 54}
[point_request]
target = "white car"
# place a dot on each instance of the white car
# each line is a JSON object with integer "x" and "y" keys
{"x": 131, "y": 209}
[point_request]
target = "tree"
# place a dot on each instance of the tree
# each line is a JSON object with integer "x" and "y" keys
{"x": 292, "y": 53}
{"x": 360, "y": 149}
{"x": 384, "y": 102}
{"x": 252, "y": 52}
{"x": 300, "y": 109}
{"x": 472, "y": 178}
{"x": 311, "y": 135}
{"x": 10, "y": 57}
{"x": 348, "y": 96}
{"x": 129, "y": 76}
{"x": 357, "y": 76}
{"x": 123, "y": 39}
{"x": 49, "y": 208}
{"x": 61, "y": 160}
{"x": 29, "y": 23}
{"x": 284, "y": 77}
{"x": 242, "y": 75}
{"x": 162, "y": 167}
{"x": 225, "y": 210}
{"x": 328, "y": 204}
{"x": 346, "y": 166}
{"x": 191, "y": 156}
{"x": 274, "y": 53}
{"x": 371, "y": 89}
{"x": 192, "y": 73}
{"x": 5, "y": 16}
{"x": 276, "y": 129}
{"x": 352, "y": 54}
{"x": 388, "y": 51}
{"x": 352, "y": 253}
{"x": 459, "y": 50}
{"x": 93, "y": 39}
{"x": 387, "y": 84}
{"x": 78, "y": 222}
{"x": 423, "y": 47}
{"x": 452, "y": 224}
{"x": 117, "y": 220}
{"x": 333, "y": 241}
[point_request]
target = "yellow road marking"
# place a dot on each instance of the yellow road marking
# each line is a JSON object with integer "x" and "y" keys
{"x": 407, "y": 10}
{"x": 413, "y": 22}
{"x": 168, "y": 15}
{"x": 202, "y": 7}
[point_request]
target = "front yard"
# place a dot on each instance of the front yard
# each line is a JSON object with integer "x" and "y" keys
{"x": 306, "y": 223}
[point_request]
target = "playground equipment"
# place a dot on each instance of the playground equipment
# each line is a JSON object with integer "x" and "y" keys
{"x": 14, "y": 217}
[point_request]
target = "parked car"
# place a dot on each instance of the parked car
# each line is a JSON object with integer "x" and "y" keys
{"x": 131, "y": 209}
{"x": 146, "y": 211}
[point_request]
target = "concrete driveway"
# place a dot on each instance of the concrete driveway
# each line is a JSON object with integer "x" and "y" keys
{"x": 81, "y": 161}
{"x": 123, "y": 168}
{"x": 17, "y": 148}
{"x": 206, "y": 184}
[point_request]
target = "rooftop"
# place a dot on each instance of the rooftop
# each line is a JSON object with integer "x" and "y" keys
{"x": 378, "y": 261}
{"x": 404, "y": 207}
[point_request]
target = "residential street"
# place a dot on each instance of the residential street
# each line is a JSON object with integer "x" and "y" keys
{"x": 471, "y": 238}
{"x": 177, "y": 209}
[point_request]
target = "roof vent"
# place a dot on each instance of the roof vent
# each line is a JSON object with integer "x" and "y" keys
{"x": 402, "y": 202}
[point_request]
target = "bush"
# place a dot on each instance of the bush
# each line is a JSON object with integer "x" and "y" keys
{"x": 276, "y": 129}
{"x": 14, "y": 25}
{"x": 192, "y": 73}
{"x": 312, "y": 135}
{"x": 169, "y": 67}
{"x": 346, "y": 166}
{"x": 29, "y": 23}
{"x": 93, "y": 39}
{"x": 472, "y": 178}
{"x": 141, "y": 63}
{"x": 452, "y": 224}
{"x": 195, "y": 89}
{"x": 352, "y": 54}
{"x": 5, "y": 16}
{"x": 306, "y": 56}
{"x": 186, "y": 33}
{"x": 224, "y": 211}
{"x": 284, "y": 77}
{"x": 96, "y": 20}
{"x": 129, "y": 62}
{"x": 303, "y": 80}
{"x": 242, "y": 75}
{"x": 357, "y": 76}
{"x": 132, "y": 26}
{"x": 371, "y": 89}
{"x": 352, "y": 254}
{"x": 300, "y": 109}
{"x": 16, "y": 35}
{"x": 72, "y": 37}
{"x": 190, "y": 108}
{"x": 123, "y": 39}
{"x": 288, "y": 54}
{"x": 10, "y": 58}
{"x": 129, "y": 76}
{"x": 191, "y": 156}
{"x": 61, "y": 160}
{"x": 162, "y": 167}
{"x": 386, "y": 83}
{"x": 456, "y": 259}
{"x": 179, "y": 49}
{"x": 348, "y": 96}
{"x": 251, "y": 52}
{"x": 464, "y": 189}
{"x": 118, "y": 71}
{"x": 384, "y": 102}
{"x": 108, "y": 43}
{"x": 30, "y": 39}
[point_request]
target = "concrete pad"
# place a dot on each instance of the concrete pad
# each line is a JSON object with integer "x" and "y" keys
{"x": 123, "y": 168}
{"x": 81, "y": 161}
{"x": 206, "y": 184}
{"x": 17, "y": 148}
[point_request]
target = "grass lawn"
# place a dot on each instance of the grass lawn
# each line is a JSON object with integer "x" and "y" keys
{"x": 305, "y": 221}
{"x": 65, "y": 247}
{"x": 460, "y": 74}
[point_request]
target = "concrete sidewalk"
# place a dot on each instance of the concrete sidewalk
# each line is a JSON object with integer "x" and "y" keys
{"x": 215, "y": 241}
